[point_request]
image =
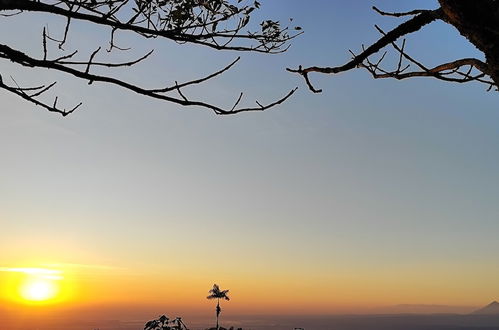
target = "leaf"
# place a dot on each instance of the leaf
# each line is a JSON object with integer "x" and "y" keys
{"x": 245, "y": 21}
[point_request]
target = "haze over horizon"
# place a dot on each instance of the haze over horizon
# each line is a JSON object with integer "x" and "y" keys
{"x": 376, "y": 196}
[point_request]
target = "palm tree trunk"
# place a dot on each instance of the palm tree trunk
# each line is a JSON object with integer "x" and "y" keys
{"x": 218, "y": 310}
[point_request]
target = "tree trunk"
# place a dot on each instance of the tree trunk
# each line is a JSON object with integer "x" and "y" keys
{"x": 218, "y": 310}
{"x": 477, "y": 21}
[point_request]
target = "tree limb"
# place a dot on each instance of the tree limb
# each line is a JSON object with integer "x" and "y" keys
{"x": 410, "y": 26}
{"x": 25, "y": 60}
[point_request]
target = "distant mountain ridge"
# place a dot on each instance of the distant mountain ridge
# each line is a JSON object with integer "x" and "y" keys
{"x": 423, "y": 309}
{"x": 490, "y": 309}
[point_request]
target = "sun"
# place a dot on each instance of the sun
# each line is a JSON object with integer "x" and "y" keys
{"x": 39, "y": 290}
{"x": 35, "y": 286}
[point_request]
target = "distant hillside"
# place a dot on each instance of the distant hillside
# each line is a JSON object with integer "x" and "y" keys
{"x": 490, "y": 309}
{"x": 423, "y": 309}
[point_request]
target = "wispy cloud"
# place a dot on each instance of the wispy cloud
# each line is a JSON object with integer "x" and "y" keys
{"x": 55, "y": 271}
{"x": 31, "y": 271}
{"x": 84, "y": 266}
{"x": 52, "y": 274}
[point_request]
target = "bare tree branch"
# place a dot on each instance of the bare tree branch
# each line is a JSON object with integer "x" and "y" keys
{"x": 450, "y": 71}
{"x": 476, "y": 21}
{"x": 25, "y": 60}
{"x": 410, "y": 26}
{"x": 270, "y": 40}
{"x": 408, "y": 13}
{"x": 22, "y": 92}
{"x": 217, "y": 24}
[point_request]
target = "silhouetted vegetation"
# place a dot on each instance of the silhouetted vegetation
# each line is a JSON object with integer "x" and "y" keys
{"x": 224, "y": 25}
{"x": 216, "y": 293}
{"x": 216, "y": 24}
{"x": 477, "y": 21}
{"x": 164, "y": 323}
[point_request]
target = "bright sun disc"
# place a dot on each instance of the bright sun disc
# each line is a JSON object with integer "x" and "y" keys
{"x": 38, "y": 290}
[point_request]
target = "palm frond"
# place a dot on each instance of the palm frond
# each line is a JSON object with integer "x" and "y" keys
{"x": 216, "y": 293}
{"x": 215, "y": 289}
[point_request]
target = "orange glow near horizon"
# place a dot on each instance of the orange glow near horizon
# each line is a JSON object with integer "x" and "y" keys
{"x": 100, "y": 290}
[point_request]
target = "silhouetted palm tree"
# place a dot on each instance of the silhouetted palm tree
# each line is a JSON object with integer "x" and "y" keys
{"x": 218, "y": 294}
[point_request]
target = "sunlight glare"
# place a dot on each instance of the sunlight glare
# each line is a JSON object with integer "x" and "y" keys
{"x": 34, "y": 285}
{"x": 39, "y": 290}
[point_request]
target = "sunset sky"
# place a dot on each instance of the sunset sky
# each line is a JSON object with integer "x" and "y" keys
{"x": 371, "y": 194}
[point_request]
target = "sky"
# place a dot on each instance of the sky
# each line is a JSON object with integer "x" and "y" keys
{"x": 371, "y": 194}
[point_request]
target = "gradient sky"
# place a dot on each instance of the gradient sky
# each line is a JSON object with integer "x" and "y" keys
{"x": 370, "y": 194}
